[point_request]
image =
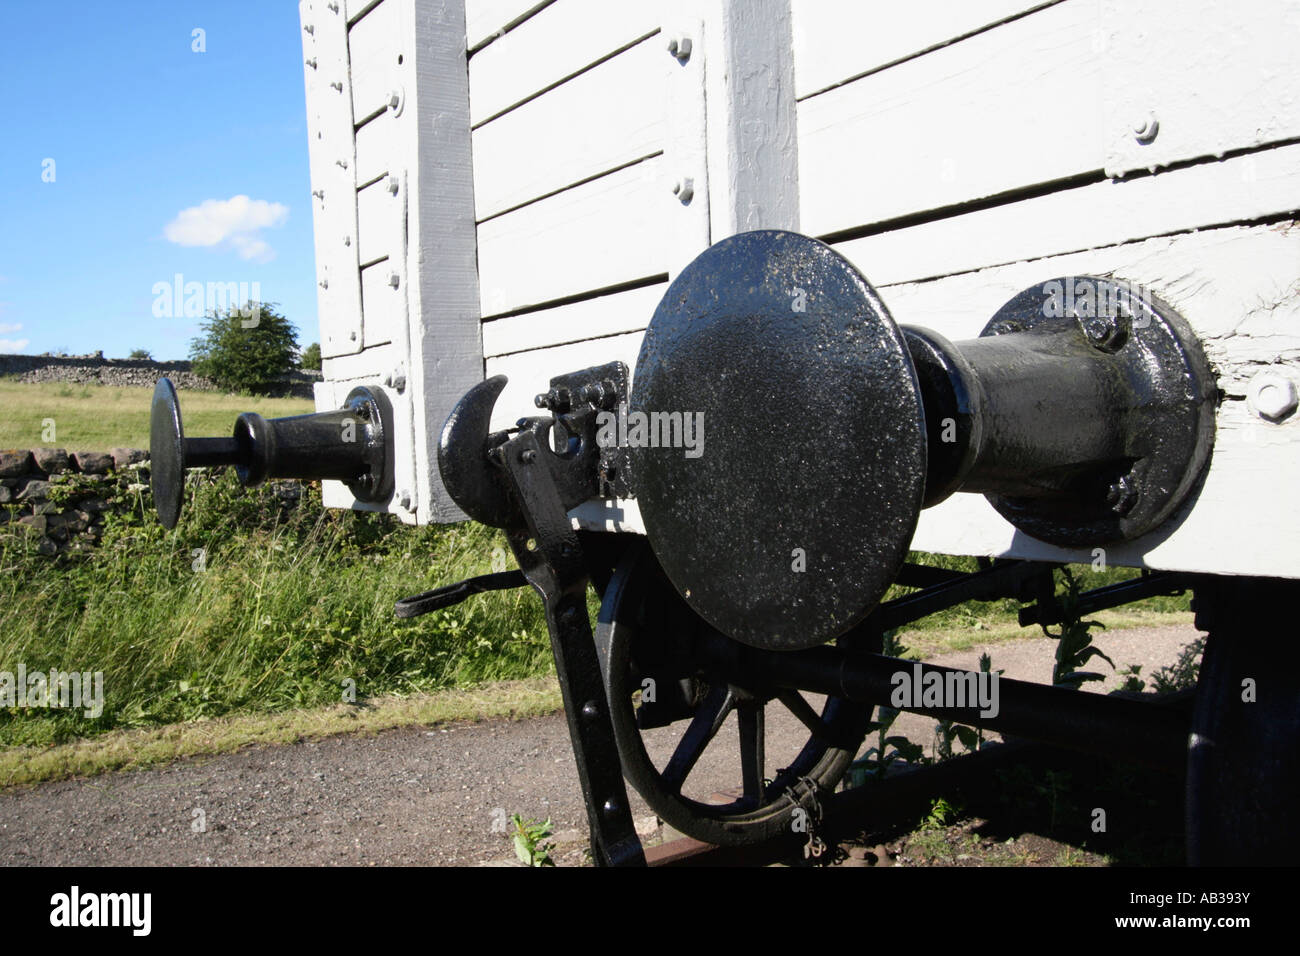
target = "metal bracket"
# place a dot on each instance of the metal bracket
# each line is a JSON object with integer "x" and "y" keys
{"x": 527, "y": 486}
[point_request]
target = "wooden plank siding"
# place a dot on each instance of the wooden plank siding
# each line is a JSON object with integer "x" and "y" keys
{"x": 956, "y": 151}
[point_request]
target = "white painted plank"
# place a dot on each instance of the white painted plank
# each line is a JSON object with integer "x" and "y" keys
{"x": 834, "y": 41}
{"x": 609, "y": 116}
{"x": 381, "y": 221}
{"x": 1216, "y": 76}
{"x": 380, "y": 54}
{"x": 332, "y": 162}
{"x": 605, "y": 315}
{"x": 557, "y": 42}
{"x": 379, "y": 148}
{"x": 531, "y": 372}
{"x": 370, "y": 364}
{"x": 1013, "y": 107}
{"x": 595, "y": 236}
{"x": 1102, "y": 214}
{"x": 383, "y": 303}
{"x": 486, "y": 20}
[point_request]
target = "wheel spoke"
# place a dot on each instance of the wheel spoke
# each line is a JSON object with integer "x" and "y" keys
{"x": 794, "y": 702}
{"x": 749, "y": 714}
{"x": 704, "y": 726}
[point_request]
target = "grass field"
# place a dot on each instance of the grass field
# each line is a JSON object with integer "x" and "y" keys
{"x": 100, "y": 417}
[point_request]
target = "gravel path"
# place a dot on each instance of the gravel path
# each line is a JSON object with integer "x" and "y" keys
{"x": 416, "y": 795}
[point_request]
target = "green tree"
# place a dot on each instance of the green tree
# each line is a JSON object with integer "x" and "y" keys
{"x": 310, "y": 357}
{"x": 245, "y": 349}
{"x": 141, "y": 354}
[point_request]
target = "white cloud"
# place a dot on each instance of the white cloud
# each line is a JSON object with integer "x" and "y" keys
{"x": 234, "y": 222}
{"x": 11, "y": 345}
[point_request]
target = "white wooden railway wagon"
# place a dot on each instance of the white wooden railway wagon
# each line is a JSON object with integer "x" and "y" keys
{"x": 509, "y": 187}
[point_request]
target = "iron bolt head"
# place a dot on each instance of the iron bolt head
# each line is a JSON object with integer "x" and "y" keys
{"x": 404, "y": 500}
{"x": 528, "y": 456}
{"x": 394, "y": 279}
{"x": 392, "y": 185}
{"x": 1273, "y": 395}
{"x": 557, "y": 400}
{"x": 601, "y": 394}
{"x": 680, "y": 47}
{"x": 684, "y": 189}
{"x": 1146, "y": 129}
{"x": 1106, "y": 332}
{"x": 590, "y": 710}
{"x": 1122, "y": 496}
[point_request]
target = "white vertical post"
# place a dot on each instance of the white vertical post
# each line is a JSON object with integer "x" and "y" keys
{"x": 752, "y": 146}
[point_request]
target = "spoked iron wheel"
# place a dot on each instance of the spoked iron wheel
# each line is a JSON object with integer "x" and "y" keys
{"x": 703, "y": 770}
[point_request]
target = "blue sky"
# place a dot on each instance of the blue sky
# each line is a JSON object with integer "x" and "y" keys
{"x": 153, "y": 145}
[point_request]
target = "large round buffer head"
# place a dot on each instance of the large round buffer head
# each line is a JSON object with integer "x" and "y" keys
{"x": 780, "y": 465}
{"x": 166, "y": 453}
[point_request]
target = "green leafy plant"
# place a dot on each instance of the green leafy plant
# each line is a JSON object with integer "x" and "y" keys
{"x": 310, "y": 358}
{"x": 942, "y": 815}
{"x": 530, "y": 841}
{"x": 1184, "y": 672}
{"x": 1133, "y": 682}
{"x": 140, "y": 355}
{"x": 1074, "y": 647}
{"x": 249, "y": 348}
{"x": 876, "y": 761}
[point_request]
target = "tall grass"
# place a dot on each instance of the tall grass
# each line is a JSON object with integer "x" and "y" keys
{"x": 255, "y": 604}
{"x": 251, "y": 605}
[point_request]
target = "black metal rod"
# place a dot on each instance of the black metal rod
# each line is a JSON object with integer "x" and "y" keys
{"x": 202, "y": 452}
{"x": 1087, "y": 722}
{"x": 1112, "y": 595}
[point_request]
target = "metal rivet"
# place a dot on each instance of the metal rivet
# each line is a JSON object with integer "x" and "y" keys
{"x": 394, "y": 280}
{"x": 680, "y": 47}
{"x": 590, "y": 710}
{"x": 684, "y": 189}
{"x": 610, "y": 807}
{"x": 1273, "y": 395}
{"x": 392, "y": 185}
{"x": 404, "y": 500}
{"x": 1145, "y": 130}
{"x": 528, "y": 456}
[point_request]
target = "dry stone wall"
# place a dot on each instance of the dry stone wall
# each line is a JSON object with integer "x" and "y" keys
{"x": 61, "y": 497}
{"x": 94, "y": 369}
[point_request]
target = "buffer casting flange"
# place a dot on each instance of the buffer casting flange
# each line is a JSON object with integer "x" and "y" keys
{"x": 1084, "y": 412}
